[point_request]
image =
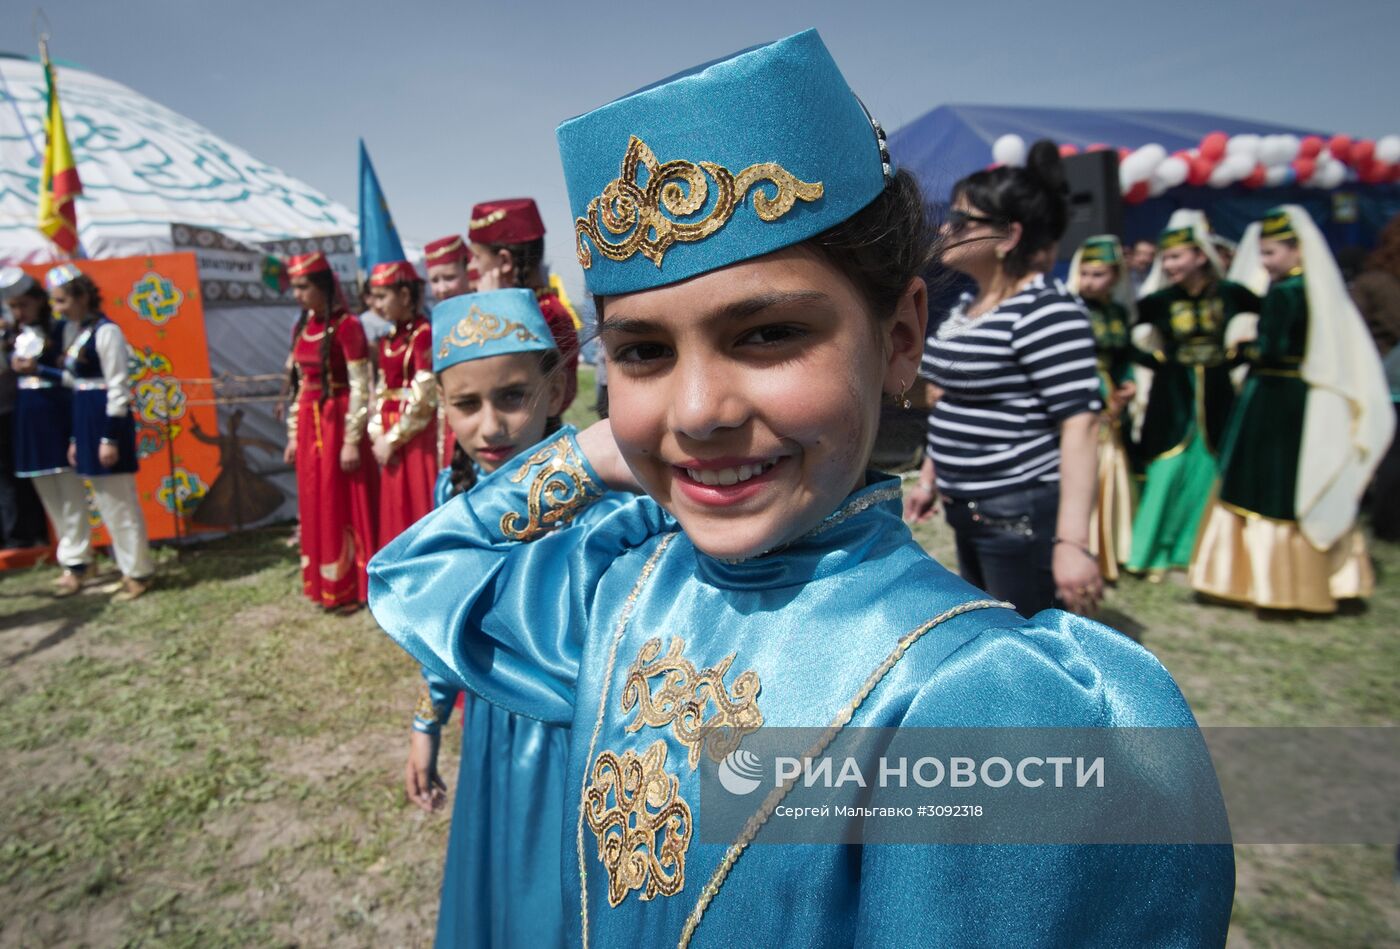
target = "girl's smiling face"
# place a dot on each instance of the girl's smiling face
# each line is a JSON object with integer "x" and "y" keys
{"x": 499, "y": 406}
{"x": 746, "y": 400}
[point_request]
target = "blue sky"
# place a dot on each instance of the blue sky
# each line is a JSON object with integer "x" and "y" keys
{"x": 458, "y": 101}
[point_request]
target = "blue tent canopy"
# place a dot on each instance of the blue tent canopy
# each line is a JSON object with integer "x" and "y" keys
{"x": 953, "y": 141}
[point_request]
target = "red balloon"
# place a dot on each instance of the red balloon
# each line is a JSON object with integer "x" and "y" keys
{"x": 1362, "y": 151}
{"x": 1311, "y": 146}
{"x": 1098, "y": 147}
{"x": 1340, "y": 146}
{"x": 1124, "y": 153}
{"x": 1304, "y": 167}
{"x": 1213, "y": 145}
{"x": 1067, "y": 150}
{"x": 1375, "y": 172}
{"x": 1255, "y": 178}
{"x": 1201, "y": 167}
{"x": 1395, "y": 171}
{"x": 1136, "y": 194}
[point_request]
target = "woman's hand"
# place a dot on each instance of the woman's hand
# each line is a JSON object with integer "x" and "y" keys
{"x": 72, "y": 455}
{"x": 349, "y": 457}
{"x": 602, "y": 453}
{"x": 107, "y": 455}
{"x": 383, "y": 451}
{"x": 1078, "y": 583}
{"x": 1120, "y": 397}
{"x": 422, "y": 782}
{"x": 920, "y": 504}
{"x": 289, "y": 454}
{"x": 23, "y": 366}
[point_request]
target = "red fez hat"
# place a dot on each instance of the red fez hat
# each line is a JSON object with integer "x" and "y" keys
{"x": 510, "y": 221}
{"x": 303, "y": 264}
{"x": 391, "y": 272}
{"x": 446, "y": 250}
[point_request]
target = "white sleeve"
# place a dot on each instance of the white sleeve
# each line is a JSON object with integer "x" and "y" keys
{"x": 115, "y": 356}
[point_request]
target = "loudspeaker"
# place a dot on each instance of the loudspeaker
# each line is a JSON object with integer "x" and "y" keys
{"x": 1095, "y": 202}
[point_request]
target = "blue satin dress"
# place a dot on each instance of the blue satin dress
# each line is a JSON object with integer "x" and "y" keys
{"x": 641, "y": 645}
{"x": 500, "y": 882}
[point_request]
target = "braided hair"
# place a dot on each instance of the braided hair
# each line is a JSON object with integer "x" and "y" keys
{"x": 325, "y": 282}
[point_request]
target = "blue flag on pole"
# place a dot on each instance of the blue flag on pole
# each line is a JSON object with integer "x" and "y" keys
{"x": 379, "y": 241}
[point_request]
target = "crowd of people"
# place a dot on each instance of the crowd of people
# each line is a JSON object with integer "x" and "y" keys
{"x": 759, "y": 280}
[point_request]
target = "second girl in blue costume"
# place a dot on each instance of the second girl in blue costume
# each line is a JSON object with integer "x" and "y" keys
{"x": 502, "y": 389}
{"x": 757, "y": 261}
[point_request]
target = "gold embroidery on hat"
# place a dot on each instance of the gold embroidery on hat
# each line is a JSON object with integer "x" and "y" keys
{"x": 479, "y": 222}
{"x": 684, "y": 696}
{"x": 559, "y": 491}
{"x": 642, "y": 824}
{"x": 678, "y": 188}
{"x": 478, "y": 329}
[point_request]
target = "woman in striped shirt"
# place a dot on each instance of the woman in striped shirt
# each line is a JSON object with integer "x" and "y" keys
{"x": 1012, "y": 438}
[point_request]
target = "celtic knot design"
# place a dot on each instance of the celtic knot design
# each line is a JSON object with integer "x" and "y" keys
{"x": 652, "y": 210}
{"x": 181, "y": 492}
{"x": 155, "y": 299}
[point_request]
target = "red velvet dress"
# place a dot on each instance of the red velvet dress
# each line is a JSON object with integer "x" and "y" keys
{"x": 338, "y": 530}
{"x": 406, "y": 414}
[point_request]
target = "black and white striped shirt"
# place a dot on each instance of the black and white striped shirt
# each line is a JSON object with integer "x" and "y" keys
{"x": 1009, "y": 377}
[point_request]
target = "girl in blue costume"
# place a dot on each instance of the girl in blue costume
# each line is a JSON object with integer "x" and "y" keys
{"x": 498, "y": 366}
{"x": 756, "y": 263}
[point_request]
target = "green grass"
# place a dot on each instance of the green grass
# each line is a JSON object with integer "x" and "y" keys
{"x": 219, "y": 763}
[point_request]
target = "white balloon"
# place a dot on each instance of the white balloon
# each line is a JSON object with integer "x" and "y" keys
{"x": 1388, "y": 148}
{"x": 1294, "y": 144}
{"x": 1222, "y": 176}
{"x": 1010, "y": 150}
{"x": 1156, "y": 186}
{"x": 1275, "y": 176}
{"x": 1276, "y": 150}
{"x": 1239, "y": 164}
{"x": 1332, "y": 176}
{"x": 1140, "y": 164}
{"x": 1172, "y": 171}
{"x": 1246, "y": 145}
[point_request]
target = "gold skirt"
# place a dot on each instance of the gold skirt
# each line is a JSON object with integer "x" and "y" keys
{"x": 1111, "y": 520}
{"x": 1245, "y": 557}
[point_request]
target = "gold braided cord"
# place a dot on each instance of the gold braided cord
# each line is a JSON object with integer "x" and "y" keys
{"x": 622, "y": 620}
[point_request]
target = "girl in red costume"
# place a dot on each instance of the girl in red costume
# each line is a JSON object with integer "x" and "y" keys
{"x": 400, "y": 427}
{"x": 507, "y": 246}
{"x": 326, "y": 439}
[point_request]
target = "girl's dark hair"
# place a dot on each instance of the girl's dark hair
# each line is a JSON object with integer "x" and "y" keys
{"x": 879, "y": 249}
{"x": 324, "y": 281}
{"x": 415, "y": 293}
{"x": 463, "y": 477}
{"x": 41, "y": 297}
{"x": 1386, "y": 256}
{"x": 527, "y": 257}
{"x": 83, "y": 286}
{"x": 1036, "y": 197}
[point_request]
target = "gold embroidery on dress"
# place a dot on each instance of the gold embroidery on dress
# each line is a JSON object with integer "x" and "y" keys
{"x": 426, "y": 710}
{"x": 678, "y": 188}
{"x": 478, "y": 328}
{"x": 337, "y": 570}
{"x": 685, "y": 695}
{"x": 560, "y": 490}
{"x": 634, "y": 808}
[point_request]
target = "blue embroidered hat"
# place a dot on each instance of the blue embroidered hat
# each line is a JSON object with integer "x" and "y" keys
{"x": 61, "y": 275}
{"x": 480, "y": 325}
{"x": 725, "y": 162}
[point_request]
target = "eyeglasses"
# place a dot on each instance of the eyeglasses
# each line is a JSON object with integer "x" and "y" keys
{"x": 959, "y": 220}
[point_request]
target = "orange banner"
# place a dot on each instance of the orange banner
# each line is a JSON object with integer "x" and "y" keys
{"x": 156, "y": 302}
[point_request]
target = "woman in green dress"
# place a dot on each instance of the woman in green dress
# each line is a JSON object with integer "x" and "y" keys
{"x": 1181, "y": 337}
{"x": 1251, "y": 548}
{"x": 1097, "y": 275}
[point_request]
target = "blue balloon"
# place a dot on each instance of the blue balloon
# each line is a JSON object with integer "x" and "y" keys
{"x": 1290, "y": 175}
